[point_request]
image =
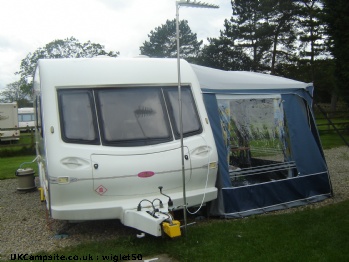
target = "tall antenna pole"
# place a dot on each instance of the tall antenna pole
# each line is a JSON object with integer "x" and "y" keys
{"x": 188, "y": 4}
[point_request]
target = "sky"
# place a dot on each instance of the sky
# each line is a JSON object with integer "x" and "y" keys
{"x": 118, "y": 25}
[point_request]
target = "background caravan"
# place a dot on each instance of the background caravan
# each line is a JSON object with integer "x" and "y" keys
{"x": 26, "y": 117}
{"x": 9, "y": 119}
{"x": 107, "y": 134}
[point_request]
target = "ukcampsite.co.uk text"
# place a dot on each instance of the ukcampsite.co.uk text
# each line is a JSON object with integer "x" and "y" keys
{"x": 57, "y": 257}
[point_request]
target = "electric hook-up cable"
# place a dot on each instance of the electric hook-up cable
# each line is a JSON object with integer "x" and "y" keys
{"x": 208, "y": 172}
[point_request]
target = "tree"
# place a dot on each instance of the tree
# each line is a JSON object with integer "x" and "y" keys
{"x": 259, "y": 29}
{"x": 67, "y": 48}
{"x": 221, "y": 53}
{"x": 311, "y": 31}
{"x": 14, "y": 93}
{"x": 283, "y": 34}
{"x": 337, "y": 20}
{"x": 250, "y": 30}
{"x": 162, "y": 41}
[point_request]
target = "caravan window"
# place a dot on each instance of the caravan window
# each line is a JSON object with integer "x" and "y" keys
{"x": 191, "y": 123}
{"x": 25, "y": 117}
{"x": 77, "y": 115}
{"x": 132, "y": 116}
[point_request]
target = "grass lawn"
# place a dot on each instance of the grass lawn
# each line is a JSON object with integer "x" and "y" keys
{"x": 9, "y": 165}
{"x": 333, "y": 140}
{"x": 24, "y": 146}
{"x": 312, "y": 235}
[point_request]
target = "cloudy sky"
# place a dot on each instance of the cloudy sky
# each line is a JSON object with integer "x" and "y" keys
{"x": 119, "y": 25}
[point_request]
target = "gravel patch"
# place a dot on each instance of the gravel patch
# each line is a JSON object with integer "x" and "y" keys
{"x": 338, "y": 164}
{"x": 26, "y": 228}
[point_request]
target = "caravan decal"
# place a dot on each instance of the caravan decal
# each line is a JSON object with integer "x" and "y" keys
{"x": 146, "y": 174}
{"x": 101, "y": 190}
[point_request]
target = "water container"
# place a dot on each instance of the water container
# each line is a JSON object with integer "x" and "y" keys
{"x": 26, "y": 180}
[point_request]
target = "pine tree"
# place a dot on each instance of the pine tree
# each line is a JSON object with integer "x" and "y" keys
{"x": 162, "y": 41}
{"x": 311, "y": 31}
{"x": 337, "y": 21}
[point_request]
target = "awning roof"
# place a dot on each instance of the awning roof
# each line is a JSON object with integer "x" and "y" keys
{"x": 215, "y": 79}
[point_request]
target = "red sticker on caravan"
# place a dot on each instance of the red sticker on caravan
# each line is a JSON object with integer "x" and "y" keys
{"x": 101, "y": 190}
{"x": 146, "y": 174}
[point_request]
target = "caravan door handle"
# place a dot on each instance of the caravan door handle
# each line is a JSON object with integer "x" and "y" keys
{"x": 95, "y": 166}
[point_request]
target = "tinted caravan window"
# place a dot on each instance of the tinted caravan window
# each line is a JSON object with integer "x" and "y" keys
{"x": 191, "y": 123}
{"x": 132, "y": 116}
{"x": 77, "y": 115}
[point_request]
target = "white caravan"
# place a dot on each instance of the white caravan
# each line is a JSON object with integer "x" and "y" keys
{"x": 108, "y": 140}
{"x": 8, "y": 119}
{"x": 26, "y": 117}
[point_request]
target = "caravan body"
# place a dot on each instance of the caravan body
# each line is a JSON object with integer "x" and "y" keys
{"x": 26, "y": 117}
{"x": 108, "y": 137}
{"x": 8, "y": 119}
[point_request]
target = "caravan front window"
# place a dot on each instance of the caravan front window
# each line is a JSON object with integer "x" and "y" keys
{"x": 126, "y": 116}
{"x": 132, "y": 116}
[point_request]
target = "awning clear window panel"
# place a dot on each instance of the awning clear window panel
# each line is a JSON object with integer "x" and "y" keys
{"x": 256, "y": 139}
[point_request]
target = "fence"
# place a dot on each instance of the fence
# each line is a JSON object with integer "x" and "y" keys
{"x": 333, "y": 121}
{"x": 332, "y": 127}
